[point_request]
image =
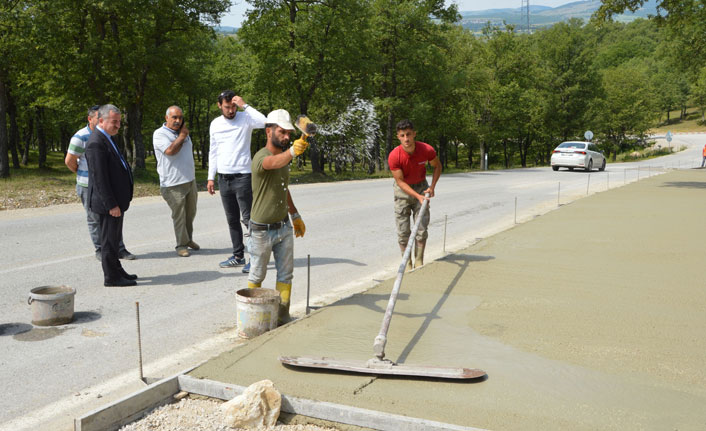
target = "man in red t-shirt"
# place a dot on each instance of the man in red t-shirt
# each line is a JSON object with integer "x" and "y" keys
{"x": 408, "y": 164}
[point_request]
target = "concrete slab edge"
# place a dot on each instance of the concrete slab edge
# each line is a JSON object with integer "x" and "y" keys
{"x": 323, "y": 410}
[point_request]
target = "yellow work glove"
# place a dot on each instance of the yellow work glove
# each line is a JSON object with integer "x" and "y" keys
{"x": 299, "y": 226}
{"x": 298, "y": 147}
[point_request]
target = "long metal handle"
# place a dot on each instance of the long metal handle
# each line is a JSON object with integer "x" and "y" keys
{"x": 381, "y": 339}
{"x": 139, "y": 338}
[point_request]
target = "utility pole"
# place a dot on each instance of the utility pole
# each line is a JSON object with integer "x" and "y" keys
{"x": 525, "y": 12}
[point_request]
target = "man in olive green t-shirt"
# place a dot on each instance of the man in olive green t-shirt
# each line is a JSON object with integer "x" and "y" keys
{"x": 270, "y": 229}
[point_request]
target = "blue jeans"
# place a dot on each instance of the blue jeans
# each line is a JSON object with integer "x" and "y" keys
{"x": 94, "y": 221}
{"x": 279, "y": 242}
{"x": 236, "y": 195}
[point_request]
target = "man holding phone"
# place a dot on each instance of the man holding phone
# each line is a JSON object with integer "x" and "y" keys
{"x": 177, "y": 179}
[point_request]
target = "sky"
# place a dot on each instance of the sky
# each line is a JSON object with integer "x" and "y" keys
{"x": 237, "y": 11}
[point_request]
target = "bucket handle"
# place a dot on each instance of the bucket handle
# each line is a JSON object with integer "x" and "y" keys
{"x": 30, "y": 300}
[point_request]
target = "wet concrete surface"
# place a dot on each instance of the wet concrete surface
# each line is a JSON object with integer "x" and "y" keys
{"x": 589, "y": 317}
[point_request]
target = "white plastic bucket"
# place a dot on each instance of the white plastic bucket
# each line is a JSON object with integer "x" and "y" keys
{"x": 52, "y": 305}
{"x": 257, "y": 310}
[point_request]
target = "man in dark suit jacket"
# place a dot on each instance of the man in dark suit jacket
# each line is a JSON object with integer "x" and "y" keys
{"x": 110, "y": 188}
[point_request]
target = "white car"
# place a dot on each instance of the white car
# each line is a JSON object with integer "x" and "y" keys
{"x": 578, "y": 154}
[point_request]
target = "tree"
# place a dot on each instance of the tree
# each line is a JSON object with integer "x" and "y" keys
{"x": 626, "y": 108}
{"x": 13, "y": 44}
{"x": 113, "y": 49}
{"x": 4, "y": 160}
{"x": 405, "y": 37}
{"x": 309, "y": 55}
{"x": 685, "y": 22}
{"x": 565, "y": 50}
{"x": 699, "y": 93}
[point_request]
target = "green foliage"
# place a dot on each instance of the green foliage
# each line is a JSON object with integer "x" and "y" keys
{"x": 354, "y": 66}
{"x": 699, "y": 93}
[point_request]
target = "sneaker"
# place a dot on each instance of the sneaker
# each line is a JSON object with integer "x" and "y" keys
{"x": 126, "y": 255}
{"x": 183, "y": 252}
{"x": 232, "y": 262}
{"x": 246, "y": 268}
{"x": 192, "y": 245}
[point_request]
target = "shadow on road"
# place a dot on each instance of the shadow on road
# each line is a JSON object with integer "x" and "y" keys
{"x": 319, "y": 261}
{"x": 85, "y": 317}
{"x": 14, "y": 328}
{"x": 172, "y": 253}
{"x": 184, "y": 278}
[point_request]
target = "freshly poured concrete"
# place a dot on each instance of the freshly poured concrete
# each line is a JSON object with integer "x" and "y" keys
{"x": 590, "y": 317}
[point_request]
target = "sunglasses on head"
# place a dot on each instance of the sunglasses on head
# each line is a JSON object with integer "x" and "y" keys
{"x": 226, "y": 95}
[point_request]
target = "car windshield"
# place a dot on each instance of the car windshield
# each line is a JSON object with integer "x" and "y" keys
{"x": 577, "y": 145}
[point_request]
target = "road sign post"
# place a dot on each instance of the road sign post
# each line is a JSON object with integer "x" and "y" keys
{"x": 668, "y": 136}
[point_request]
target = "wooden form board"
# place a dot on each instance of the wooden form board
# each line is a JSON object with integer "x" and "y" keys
{"x": 130, "y": 408}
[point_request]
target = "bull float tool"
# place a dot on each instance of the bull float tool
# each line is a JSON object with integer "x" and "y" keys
{"x": 379, "y": 365}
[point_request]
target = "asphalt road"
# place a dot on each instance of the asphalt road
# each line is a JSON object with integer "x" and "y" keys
{"x": 187, "y": 305}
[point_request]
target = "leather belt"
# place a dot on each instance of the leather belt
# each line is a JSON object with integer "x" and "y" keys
{"x": 231, "y": 176}
{"x": 268, "y": 226}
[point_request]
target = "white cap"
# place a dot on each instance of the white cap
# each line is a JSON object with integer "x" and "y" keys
{"x": 281, "y": 118}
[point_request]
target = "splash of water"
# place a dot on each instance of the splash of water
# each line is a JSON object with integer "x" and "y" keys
{"x": 352, "y": 137}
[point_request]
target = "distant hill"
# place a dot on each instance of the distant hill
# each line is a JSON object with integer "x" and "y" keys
{"x": 541, "y": 16}
{"x": 225, "y": 29}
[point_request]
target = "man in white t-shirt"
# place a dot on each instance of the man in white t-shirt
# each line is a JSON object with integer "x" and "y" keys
{"x": 76, "y": 162}
{"x": 229, "y": 157}
{"x": 177, "y": 180}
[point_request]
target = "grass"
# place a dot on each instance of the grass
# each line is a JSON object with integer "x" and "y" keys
{"x": 32, "y": 187}
{"x": 692, "y": 123}
{"x": 647, "y": 153}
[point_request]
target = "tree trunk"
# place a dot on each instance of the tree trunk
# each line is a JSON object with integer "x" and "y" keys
{"x": 443, "y": 157}
{"x": 317, "y": 158}
{"x": 14, "y": 138}
{"x": 65, "y": 137}
{"x": 29, "y": 135}
{"x": 505, "y": 157}
{"x": 482, "y": 156}
{"x": 523, "y": 156}
{"x": 41, "y": 137}
{"x": 191, "y": 106}
{"x": 389, "y": 136}
{"x": 205, "y": 140}
{"x": 374, "y": 158}
{"x": 4, "y": 161}
{"x": 134, "y": 130}
{"x": 126, "y": 147}
{"x": 456, "y": 155}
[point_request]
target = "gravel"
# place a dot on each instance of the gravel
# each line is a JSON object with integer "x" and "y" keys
{"x": 199, "y": 415}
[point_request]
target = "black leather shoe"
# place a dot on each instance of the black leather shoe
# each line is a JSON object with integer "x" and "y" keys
{"x": 129, "y": 276}
{"x": 120, "y": 283}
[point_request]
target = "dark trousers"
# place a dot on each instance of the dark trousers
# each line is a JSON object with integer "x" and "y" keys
{"x": 111, "y": 233}
{"x": 236, "y": 195}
